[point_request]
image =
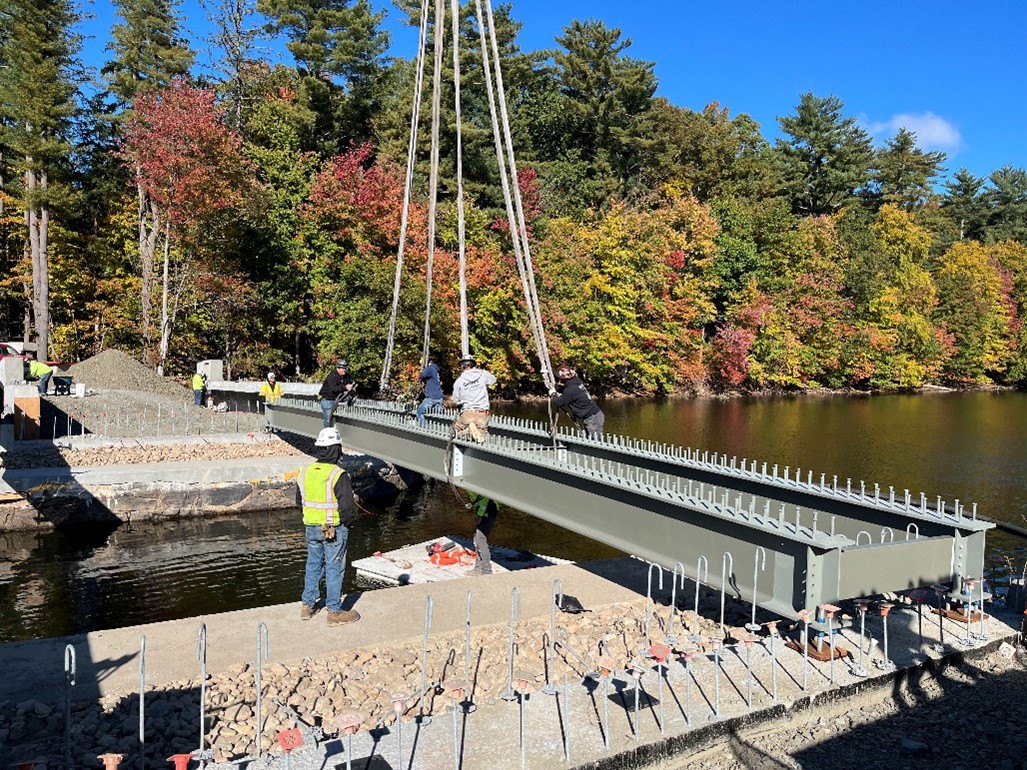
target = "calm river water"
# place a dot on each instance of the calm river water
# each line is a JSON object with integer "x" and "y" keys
{"x": 969, "y": 446}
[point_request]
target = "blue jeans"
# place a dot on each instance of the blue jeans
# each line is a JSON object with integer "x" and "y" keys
{"x": 328, "y": 559}
{"x": 327, "y": 407}
{"x": 44, "y": 383}
{"x": 429, "y": 404}
{"x": 197, "y": 398}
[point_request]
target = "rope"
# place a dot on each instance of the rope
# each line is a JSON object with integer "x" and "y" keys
{"x": 415, "y": 117}
{"x": 465, "y": 345}
{"x": 438, "y": 39}
{"x": 504, "y": 149}
{"x": 522, "y": 229}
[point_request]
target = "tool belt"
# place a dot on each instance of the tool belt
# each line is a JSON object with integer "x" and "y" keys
{"x": 328, "y": 531}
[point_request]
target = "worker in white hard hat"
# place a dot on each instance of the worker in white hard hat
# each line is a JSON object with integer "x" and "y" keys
{"x": 325, "y": 495}
{"x": 270, "y": 391}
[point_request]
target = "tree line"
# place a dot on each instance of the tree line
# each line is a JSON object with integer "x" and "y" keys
{"x": 250, "y": 211}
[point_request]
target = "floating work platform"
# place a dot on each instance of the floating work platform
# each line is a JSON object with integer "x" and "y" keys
{"x": 455, "y": 558}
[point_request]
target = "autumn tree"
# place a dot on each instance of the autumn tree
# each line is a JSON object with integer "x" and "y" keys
{"x": 191, "y": 165}
{"x": 975, "y": 303}
{"x": 38, "y": 48}
{"x": 149, "y": 51}
{"x": 825, "y": 157}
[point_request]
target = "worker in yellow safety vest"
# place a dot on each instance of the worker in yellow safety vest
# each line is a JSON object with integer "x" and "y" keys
{"x": 486, "y": 510}
{"x": 324, "y": 493}
{"x": 39, "y": 371}
{"x": 199, "y": 385}
{"x": 270, "y": 391}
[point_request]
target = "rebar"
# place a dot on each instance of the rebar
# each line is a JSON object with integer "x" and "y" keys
{"x": 716, "y": 677}
{"x": 70, "y": 665}
{"x": 636, "y": 674}
{"x": 549, "y": 650}
{"x": 804, "y": 617}
{"x": 201, "y": 655}
{"x": 674, "y": 578}
{"x": 142, "y": 702}
{"x": 886, "y": 664}
{"x": 606, "y": 711}
{"x": 688, "y": 688}
{"x": 748, "y": 671}
{"x": 468, "y": 704}
{"x": 757, "y": 567}
{"x": 772, "y": 630}
{"x": 725, "y": 575}
{"x": 565, "y": 719}
{"x": 515, "y": 609}
{"x": 262, "y": 651}
{"x": 861, "y": 606}
{"x": 982, "y": 636}
{"x": 649, "y": 598}
{"x": 429, "y": 610}
{"x": 702, "y": 567}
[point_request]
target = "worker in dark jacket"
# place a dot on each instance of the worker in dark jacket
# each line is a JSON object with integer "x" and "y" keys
{"x": 338, "y": 388}
{"x": 324, "y": 493}
{"x": 576, "y": 400}
{"x": 486, "y": 510}
{"x": 433, "y": 395}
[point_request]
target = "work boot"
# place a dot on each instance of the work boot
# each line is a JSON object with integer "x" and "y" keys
{"x": 342, "y": 616}
{"x": 306, "y": 612}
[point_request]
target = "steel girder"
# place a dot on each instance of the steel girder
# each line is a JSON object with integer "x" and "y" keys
{"x": 672, "y": 506}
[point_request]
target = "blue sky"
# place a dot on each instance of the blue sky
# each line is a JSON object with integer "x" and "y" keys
{"x": 951, "y": 71}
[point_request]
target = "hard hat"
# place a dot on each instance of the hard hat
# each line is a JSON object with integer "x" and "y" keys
{"x": 467, "y": 361}
{"x": 328, "y": 437}
{"x": 341, "y": 364}
{"x": 564, "y": 372}
{"x": 270, "y": 375}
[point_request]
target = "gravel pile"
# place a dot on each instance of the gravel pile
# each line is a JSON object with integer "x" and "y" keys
{"x": 113, "y": 369}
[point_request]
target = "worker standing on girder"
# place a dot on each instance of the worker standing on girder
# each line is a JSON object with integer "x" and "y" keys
{"x": 486, "y": 510}
{"x": 324, "y": 493}
{"x": 429, "y": 378}
{"x": 337, "y": 387}
{"x": 577, "y": 401}
{"x": 470, "y": 392}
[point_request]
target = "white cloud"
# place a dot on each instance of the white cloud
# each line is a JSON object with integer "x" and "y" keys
{"x": 932, "y": 131}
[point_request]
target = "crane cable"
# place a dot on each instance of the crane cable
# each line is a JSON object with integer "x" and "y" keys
{"x": 511, "y": 193}
{"x": 415, "y": 117}
{"x": 465, "y": 343}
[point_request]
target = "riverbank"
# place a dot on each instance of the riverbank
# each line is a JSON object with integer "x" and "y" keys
{"x": 110, "y": 482}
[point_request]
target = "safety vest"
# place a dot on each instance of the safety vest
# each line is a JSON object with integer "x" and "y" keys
{"x": 38, "y": 369}
{"x": 479, "y": 504}
{"x": 271, "y": 392}
{"x": 317, "y": 490}
{"x": 198, "y": 381}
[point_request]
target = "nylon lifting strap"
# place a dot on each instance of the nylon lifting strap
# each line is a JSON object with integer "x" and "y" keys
{"x": 508, "y": 169}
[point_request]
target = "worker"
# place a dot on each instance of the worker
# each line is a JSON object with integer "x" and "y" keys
{"x": 576, "y": 400}
{"x": 199, "y": 385}
{"x": 324, "y": 493}
{"x": 39, "y": 371}
{"x": 432, "y": 384}
{"x": 338, "y": 387}
{"x": 272, "y": 391}
{"x": 486, "y": 510}
{"x": 470, "y": 392}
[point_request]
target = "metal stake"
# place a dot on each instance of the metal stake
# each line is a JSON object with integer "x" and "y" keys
{"x": 688, "y": 688}
{"x": 702, "y": 567}
{"x": 804, "y": 617}
{"x": 566, "y": 720}
{"x": 669, "y": 638}
{"x": 939, "y": 591}
{"x": 861, "y": 605}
